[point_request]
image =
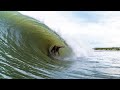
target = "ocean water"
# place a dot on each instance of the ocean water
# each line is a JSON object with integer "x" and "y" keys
{"x": 100, "y": 65}
{"x": 24, "y": 46}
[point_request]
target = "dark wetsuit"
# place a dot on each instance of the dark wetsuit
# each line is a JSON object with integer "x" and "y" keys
{"x": 55, "y": 49}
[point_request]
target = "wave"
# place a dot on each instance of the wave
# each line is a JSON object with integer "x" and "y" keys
{"x": 26, "y": 44}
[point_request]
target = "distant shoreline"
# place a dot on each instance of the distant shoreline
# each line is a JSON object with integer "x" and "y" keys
{"x": 108, "y": 48}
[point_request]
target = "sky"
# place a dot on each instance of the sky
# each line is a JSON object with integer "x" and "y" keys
{"x": 90, "y": 28}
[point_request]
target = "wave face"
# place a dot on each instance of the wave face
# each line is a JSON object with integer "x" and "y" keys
{"x": 25, "y": 45}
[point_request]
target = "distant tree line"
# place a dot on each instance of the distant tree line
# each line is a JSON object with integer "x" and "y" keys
{"x": 108, "y": 48}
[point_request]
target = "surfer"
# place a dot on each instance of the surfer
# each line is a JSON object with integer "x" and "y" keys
{"x": 55, "y": 49}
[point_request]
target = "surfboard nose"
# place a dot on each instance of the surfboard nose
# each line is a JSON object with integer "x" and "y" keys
{"x": 60, "y": 47}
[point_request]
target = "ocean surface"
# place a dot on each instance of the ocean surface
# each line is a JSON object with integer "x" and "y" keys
{"x": 100, "y": 65}
{"x": 24, "y": 45}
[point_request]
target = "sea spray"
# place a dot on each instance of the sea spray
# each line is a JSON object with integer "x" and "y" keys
{"x": 74, "y": 40}
{"x": 80, "y": 48}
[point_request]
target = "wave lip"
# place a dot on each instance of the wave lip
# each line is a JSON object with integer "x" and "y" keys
{"x": 30, "y": 34}
{"x": 25, "y": 47}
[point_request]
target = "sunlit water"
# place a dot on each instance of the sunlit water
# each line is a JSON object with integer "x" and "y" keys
{"x": 100, "y": 65}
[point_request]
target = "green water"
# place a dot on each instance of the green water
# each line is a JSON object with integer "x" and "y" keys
{"x": 25, "y": 45}
{"x": 24, "y": 48}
